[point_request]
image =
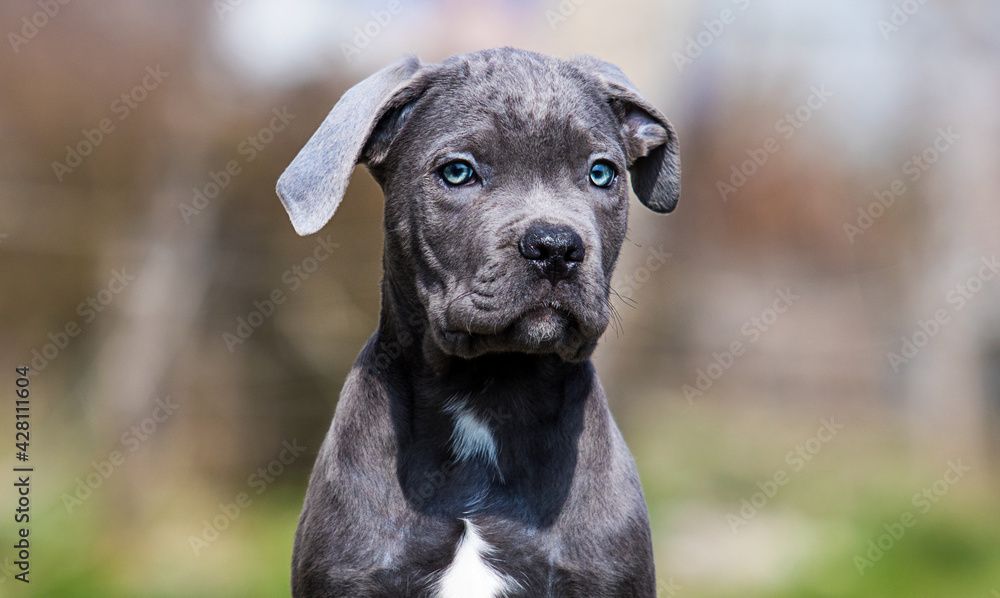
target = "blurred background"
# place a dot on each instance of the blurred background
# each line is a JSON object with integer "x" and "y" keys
{"x": 807, "y": 367}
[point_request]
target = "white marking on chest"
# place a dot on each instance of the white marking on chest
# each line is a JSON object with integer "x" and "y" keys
{"x": 470, "y": 437}
{"x": 469, "y": 575}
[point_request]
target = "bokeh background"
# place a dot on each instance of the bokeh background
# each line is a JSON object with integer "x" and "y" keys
{"x": 807, "y": 366}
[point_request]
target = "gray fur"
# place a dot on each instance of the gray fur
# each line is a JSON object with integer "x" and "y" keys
{"x": 470, "y": 322}
{"x": 314, "y": 183}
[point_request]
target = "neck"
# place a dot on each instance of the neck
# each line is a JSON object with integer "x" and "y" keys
{"x": 475, "y": 424}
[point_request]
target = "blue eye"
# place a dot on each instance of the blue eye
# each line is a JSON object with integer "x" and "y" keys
{"x": 457, "y": 173}
{"x": 602, "y": 174}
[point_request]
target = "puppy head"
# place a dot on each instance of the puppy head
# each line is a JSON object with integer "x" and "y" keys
{"x": 504, "y": 174}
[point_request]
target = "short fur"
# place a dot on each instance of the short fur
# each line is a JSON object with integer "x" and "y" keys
{"x": 468, "y": 326}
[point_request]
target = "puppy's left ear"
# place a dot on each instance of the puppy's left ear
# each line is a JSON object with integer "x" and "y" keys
{"x": 651, "y": 145}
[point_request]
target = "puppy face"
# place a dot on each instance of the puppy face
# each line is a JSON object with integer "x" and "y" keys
{"x": 507, "y": 190}
{"x": 506, "y": 181}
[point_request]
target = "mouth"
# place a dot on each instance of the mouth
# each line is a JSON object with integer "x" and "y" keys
{"x": 543, "y": 325}
{"x": 544, "y": 328}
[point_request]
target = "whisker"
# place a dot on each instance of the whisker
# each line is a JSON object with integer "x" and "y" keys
{"x": 626, "y": 300}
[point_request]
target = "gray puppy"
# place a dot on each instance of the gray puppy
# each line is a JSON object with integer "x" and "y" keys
{"x": 472, "y": 453}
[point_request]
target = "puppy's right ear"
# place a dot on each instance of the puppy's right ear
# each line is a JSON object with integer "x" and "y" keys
{"x": 314, "y": 183}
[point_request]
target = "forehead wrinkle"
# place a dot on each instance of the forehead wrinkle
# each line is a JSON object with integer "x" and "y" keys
{"x": 523, "y": 140}
{"x": 565, "y": 135}
{"x": 464, "y": 141}
{"x": 514, "y": 110}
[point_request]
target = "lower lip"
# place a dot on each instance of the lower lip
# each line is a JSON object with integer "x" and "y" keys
{"x": 545, "y": 316}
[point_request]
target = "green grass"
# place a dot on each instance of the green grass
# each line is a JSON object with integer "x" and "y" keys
{"x": 697, "y": 465}
{"x": 100, "y": 551}
{"x": 132, "y": 538}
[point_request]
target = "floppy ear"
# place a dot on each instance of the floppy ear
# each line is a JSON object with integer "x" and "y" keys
{"x": 651, "y": 145}
{"x": 314, "y": 183}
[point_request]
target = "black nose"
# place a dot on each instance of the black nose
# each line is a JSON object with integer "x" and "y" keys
{"x": 554, "y": 248}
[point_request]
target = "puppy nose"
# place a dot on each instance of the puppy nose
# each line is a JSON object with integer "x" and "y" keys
{"x": 555, "y": 249}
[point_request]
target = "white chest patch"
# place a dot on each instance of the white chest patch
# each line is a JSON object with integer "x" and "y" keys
{"x": 469, "y": 575}
{"x": 471, "y": 437}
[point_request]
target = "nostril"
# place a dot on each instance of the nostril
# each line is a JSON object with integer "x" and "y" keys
{"x": 574, "y": 248}
{"x": 531, "y": 247}
{"x": 553, "y": 248}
